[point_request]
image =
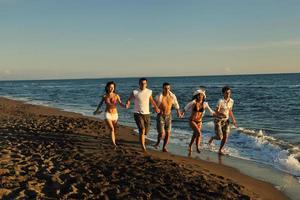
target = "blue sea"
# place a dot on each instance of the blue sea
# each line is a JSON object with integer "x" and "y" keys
{"x": 267, "y": 109}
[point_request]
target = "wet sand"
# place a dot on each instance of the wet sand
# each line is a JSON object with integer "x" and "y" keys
{"x": 47, "y": 153}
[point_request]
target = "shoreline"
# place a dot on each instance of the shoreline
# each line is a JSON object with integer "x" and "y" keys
{"x": 215, "y": 180}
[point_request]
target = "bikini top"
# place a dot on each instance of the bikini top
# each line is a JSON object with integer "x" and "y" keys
{"x": 198, "y": 110}
{"x": 112, "y": 100}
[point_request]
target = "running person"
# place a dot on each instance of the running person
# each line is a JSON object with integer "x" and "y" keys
{"x": 111, "y": 99}
{"x": 223, "y": 113}
{"x": 142, "y": 96}
{"x": 197, "y": 109}
{"x": 165, "y": 101}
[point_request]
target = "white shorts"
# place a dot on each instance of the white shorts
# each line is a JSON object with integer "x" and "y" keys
{"x": 111, "y": 116}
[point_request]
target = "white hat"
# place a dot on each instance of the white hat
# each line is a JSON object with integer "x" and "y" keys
{"x": 199, "y": 92}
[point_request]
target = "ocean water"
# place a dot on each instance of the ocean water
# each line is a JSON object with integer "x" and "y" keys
{"x": 267, "y": 109}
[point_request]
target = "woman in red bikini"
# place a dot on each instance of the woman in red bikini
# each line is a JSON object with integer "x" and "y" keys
{"x": 111, "y": 99}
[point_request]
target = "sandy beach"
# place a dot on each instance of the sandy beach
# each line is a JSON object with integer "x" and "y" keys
{"x": 48, "y": 153}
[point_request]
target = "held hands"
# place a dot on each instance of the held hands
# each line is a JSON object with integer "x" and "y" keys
{"x": 127, "y": 105}
{"x": 156, "y": 109}
{"x": 214, "y": 114}
{"x": 219, "y": 115}
{"x": 123, "y": 105}
{"x": 235, "y": 124}
{"x": 180, "y": 114}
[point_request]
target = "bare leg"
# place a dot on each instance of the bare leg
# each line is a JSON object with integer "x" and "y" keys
{"x": 198, "y": 141}
{"x": 166, "y": 140}
{"x": 210, "y": 141}
{"x": 197, "y": 133}
{"x": 142, "y": 140}
{"x": 191, "y": 143}
{"x": 223, "y": 142}
{"x": 159, "y": 137}
{"x": 218, "y": 131}
{"x": 115, "y": 123}
{"x": 199, "y": 137}
{"x": 110, "y": 125}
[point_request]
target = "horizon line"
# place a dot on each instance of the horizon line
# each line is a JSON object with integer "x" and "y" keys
{"x": 171, "y": 76}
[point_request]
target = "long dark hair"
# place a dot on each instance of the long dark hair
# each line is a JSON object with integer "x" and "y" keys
{"x": 202, "y": 103}
{"x": 108, "y": 84}
{"x": 195, "y": 97}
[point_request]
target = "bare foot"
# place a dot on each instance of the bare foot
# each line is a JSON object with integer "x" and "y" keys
{"x": 165, "y": 150}
{"x": 190, "y": 151}
{"x": 210, "y": 142}
{"x": 222, "y": 153}
{"x": 198, "y": 150}
{"x": 156, "y": 146}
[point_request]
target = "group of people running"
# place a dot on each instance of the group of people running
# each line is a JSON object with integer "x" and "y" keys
{"x": 162, "y": 105}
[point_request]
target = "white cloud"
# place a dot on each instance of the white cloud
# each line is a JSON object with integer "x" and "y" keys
{"x": 7, "y": 72}
{"x": 129, "y": 39}
{"x": 228, "y": 70}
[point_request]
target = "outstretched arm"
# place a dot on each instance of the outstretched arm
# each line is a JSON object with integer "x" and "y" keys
{"x": 120, "y": 102}
{"x": 233, "y": 118}
{"x": 217, "y": 111}
{"x": 188, "y": 108}
{"x": 128, "y": 100}
{"x": 179, "y": 113}
{"x": 207, "y": 107}
{"x": 154, "y": 104}
{"x": 176, "y": 105}
{"x": 99, "y": 106}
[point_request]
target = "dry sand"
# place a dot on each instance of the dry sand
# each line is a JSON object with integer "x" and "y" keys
{"x": 47, "y": 153}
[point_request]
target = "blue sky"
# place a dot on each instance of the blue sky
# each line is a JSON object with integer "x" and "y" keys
{"x": 119, "y": 38}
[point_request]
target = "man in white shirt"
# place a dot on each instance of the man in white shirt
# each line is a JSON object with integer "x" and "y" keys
{"x": 165, "y": 101}
{"x": 223, "y": 113}
{"x": 142, "y": 96}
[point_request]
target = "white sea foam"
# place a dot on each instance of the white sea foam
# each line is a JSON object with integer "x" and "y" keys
{"x": 208, "y": 125}
{"x": 25, "y": 99}
{"x": 289, "y": 162}
{"x": 266, "y": 149}
{"x": 246, "y": 144}
{"x": 29, "y": 100}
{"x": 36, "y": 102}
